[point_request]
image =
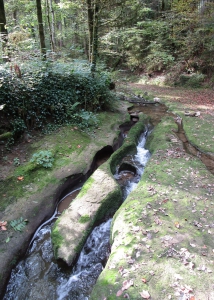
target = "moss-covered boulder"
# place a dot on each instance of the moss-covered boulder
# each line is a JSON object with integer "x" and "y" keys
{"x": 100, "y": 196}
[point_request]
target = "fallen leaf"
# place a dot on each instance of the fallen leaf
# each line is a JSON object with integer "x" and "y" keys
{"x": 191, "y": 265}
{"x": 3, "y": 225}
{"x": 145, "y": 294}
{"x": 166, "y": 200}
{"x": 177, "y": 225}
{"x": 127, "y": 284}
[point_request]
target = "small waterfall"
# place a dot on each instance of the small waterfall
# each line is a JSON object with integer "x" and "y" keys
{"x": 40, "y": 276}
{"x": 139, "y": 161}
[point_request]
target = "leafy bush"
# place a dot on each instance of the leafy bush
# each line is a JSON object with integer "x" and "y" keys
{"x": 193, "y": 80}
{"x": 18, "y": 126}
{"x": 39, "y": 98}
{"x": 43, "y": 158}
{"x": 158, "y": 59}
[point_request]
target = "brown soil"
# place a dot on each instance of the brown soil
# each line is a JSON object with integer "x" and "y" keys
{"x": 197, "y": 98}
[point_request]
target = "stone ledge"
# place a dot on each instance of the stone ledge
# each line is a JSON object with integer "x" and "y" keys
{"x": 100, "y": 196}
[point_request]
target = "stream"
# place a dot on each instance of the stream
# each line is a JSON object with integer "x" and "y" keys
{"x": 40, "y": 276}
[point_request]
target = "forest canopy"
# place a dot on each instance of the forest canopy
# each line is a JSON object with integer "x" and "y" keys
{"x": 139, "y": 34}
{"x": 57, "y": 56}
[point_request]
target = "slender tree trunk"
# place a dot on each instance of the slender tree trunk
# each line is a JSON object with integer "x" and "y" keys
{"x": 41, "y": 29}
{"x": 49, "y": 25}
{"x": 90, "y": 28}
{"x": 94, "y": 47}
{"x": 52, "y": 24}
{"x": 3, "y": 32}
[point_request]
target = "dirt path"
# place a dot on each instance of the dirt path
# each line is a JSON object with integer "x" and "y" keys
{"x": 198, "y": 98}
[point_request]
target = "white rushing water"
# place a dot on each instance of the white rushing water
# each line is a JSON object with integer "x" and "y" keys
{"x": 39, "y": 276}
{"x": 139, "y": 161}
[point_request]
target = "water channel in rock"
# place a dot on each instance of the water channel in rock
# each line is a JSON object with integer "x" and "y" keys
{"x": 40, "y": 276}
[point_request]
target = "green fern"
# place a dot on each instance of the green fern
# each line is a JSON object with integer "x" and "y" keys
{"x": 19, "y": 224}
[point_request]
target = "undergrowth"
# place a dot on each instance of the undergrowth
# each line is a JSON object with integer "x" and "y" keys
{"x": 46, "y": 98}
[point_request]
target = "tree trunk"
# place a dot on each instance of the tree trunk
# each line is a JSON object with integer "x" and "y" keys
{"x": 52, "y": 24}
{"x": 90, "y": 28}
{"x": 94, "y": 47}
{"x": 49, "y": 25}
{"x": 41, "y": 29}
{"x": 3, "y": 32}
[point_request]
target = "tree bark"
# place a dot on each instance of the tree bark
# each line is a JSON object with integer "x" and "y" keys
{"x": 41, "y": 29}
{"x": 52, "y": 25}
{"x": 49, "y": 26}
{"x": 94, "y": 47}
{"x": 90, "y": 28}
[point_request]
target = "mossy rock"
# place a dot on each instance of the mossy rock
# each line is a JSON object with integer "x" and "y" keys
{"x": 159, "y": 236}
{"x": 100, "y": 196}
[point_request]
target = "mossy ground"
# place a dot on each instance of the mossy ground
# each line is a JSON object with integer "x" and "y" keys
{"x": 162, "y": 235}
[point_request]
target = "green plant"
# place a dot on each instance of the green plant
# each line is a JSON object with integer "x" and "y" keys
{"x": 193, "y": 80}
{"x": 19, "y": 224}
{"x": 52, "y": 96}
{"x": 84, "y": 219}
{"x": 16, "y": 161}
{"x": 43, "y": 158}
{"x": 10, "y": 142}
{"x": 18, "y": 126}
{"x": 158, "y": 59}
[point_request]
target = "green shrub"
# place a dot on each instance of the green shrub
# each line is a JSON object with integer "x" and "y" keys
{"x": 42, "y": 97}
{"x": 192, "y": 81}
{"x": 158, "y": 60}
{"x": 43, "y": 158}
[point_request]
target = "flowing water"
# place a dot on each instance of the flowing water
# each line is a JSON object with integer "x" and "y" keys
{"x": 40, "y": 276}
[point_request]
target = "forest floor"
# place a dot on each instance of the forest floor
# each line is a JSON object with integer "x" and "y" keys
{"x": 172, "y": 176}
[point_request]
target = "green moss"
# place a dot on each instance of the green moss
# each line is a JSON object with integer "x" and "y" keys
{"x": 130, "y": 143}
{"x": 82, "y": 240}
{"x": 87, "y": 185}
{"x": 198, "y": 132}
{"x": 56, "y": 237}
{"x": 167, "y": 195}
{"x": 5, "y": 136}
{"x": 84, "y": 219}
